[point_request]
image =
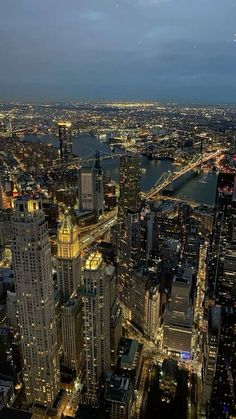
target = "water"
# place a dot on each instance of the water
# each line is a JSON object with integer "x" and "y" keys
{"x": 201, "y": 189}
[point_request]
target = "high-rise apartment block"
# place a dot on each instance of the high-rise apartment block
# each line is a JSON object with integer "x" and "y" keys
{"x": 96, "y": 313}
{"x": 65, "y": 140}
{"x": 35, "y": 301}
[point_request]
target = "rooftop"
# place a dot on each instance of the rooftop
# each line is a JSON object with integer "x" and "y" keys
{"x": 93, "y": 261}
{"x": 119, "y": 390}
{"x": 130, "y": 348}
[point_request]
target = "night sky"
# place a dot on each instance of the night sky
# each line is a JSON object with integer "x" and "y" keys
{"x": 166, "y": 50}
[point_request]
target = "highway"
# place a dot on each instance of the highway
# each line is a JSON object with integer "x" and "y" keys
{"x": 98, "y": 231}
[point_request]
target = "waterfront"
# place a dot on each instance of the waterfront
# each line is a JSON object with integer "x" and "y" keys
{"x": 201, "y": 188}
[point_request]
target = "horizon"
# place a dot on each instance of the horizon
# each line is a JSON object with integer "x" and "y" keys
{"x": 118, "y": 102}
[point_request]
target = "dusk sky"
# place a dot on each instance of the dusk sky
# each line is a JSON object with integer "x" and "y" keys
{"x": 166, "y": 50}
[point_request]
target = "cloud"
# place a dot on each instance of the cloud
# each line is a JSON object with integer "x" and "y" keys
{"x": 152, "y": 2}
{"x": 92, "y": 15}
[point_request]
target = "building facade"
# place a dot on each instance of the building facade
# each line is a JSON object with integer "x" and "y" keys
{"x": 96, "y": 313}
{"x": 65, "y": 140}
{"x": 35, "y": 301}
{"x": 68, "y": 257}
{"x": 72, "y": 334}
{"x": 91, "y": 190}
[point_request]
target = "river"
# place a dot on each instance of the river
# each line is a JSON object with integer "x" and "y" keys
{"x": 201, "y": 188}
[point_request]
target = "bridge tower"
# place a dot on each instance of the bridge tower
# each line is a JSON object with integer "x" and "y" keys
{"x": 97, "y": 160}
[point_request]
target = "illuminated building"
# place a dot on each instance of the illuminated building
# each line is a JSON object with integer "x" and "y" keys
{"x": 129, "y": 257}
{"x": 91, "y": 194}
{"x": 65, "y": 140}
{"x": 210, "y": 353}
{"x": 128, "y": 230}
{"x": 68, "y": 257}
{"x": 110, "y": 199}
{"x": 130, "y": 186}
{"x": 96, "y": 314}
{"x": 35, "y": 301}
{"x": 227, "y": 281}
{"x": 178, "y": 320}
{"x": 152, "y": 312}
{"x": 223, "y": 403}
{"x": 146, "y": 308}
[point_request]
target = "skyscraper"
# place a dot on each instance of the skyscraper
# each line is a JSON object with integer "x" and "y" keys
{"x": 129, "y": 257}
{"x": 178, "y": 321}
{"x": 68, "y": 257}
{"x": 72, "y": 334}
{"x": 91, "y": 194}
{"x": 35, "y": 301}
{"x": 129, "y": 229}
{"x": 65, "y": 140}
{"x": 96, "y": 313}
{"x": 223, "y": 403}
{"x": 130, "y": 184}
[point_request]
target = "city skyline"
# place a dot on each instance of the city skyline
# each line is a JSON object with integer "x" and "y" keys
{"x": 119, "y": 50}
{"x": 117, "y": 295}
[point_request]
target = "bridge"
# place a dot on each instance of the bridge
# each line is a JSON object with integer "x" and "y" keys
{"x": 90, "y": 234}
{"x": 167, "y": 178}
{"x": 79, "y": 161}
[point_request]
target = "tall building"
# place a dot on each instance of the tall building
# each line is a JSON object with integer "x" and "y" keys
{"x": 178, "y": 321}
{"x": 129, "y": 257}
{"x": 227, "y": 281}
{"x": 35, "y": 301}
{"x": 65, "y": 140}
{"x": 72, "y": 334}
{"x": 210, "y": 352}
{"x": 130, "y": 185}
{"x": 96, "y": 314}
{"x": 128, "y": 229}
{"x": 152, "y": 312}
{"x": 223, "y": 403}
{"x": 147, "y": 222}
{"x": 91, "y": 193}
{"x": 146, "y": 307}
{"x": 68, "y": 257}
